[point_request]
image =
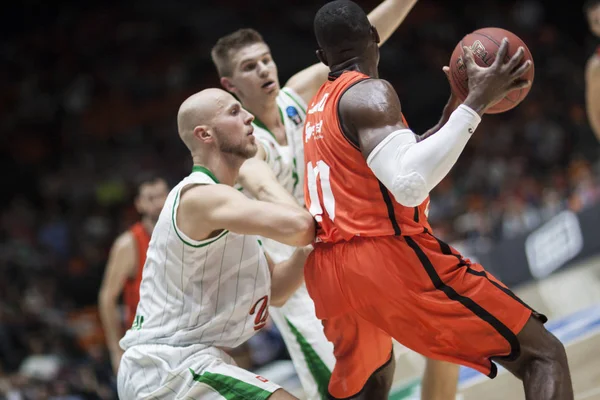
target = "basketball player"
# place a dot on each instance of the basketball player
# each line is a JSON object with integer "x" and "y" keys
{"x": 123, "y": 272}
{"x": 377, "y": 271}
{"x": 246, "y": 68}
{"x": 207, "y": 283}
{"x": 592, "y": 70}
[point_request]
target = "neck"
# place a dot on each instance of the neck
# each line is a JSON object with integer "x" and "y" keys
{"x": 225, "y": 167}
{"x": 266, "y": 112}
{"x": 356, "y": 64}
{"x": 148, "y": 224}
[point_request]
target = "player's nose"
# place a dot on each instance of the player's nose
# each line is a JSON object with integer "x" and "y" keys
{"x": 263, "y": 70}
{"x": 249, "y": 118}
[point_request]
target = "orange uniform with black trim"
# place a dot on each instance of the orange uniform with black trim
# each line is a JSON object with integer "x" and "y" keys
{"x": 378, "y": 272}
{"x": 131, "y": 290}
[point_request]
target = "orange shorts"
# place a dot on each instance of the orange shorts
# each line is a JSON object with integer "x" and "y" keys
{"x": 417, "y": 290}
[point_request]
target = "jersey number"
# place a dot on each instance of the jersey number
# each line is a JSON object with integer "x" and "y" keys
{"x": 321, "y": 171}
{"x": 262, "y": 313}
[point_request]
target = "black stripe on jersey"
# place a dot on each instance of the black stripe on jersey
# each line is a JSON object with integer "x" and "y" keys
{"x": 462, "y": 263}
{"x": 352, "y": 142}
{"x": 475, "y": 308}
{"x": 416, "y": 216}
{"x": 390, "y": 208}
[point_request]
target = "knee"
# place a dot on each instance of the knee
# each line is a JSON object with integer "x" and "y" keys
{"x": 551, "y": 357}
{"x": 555, "y": 351}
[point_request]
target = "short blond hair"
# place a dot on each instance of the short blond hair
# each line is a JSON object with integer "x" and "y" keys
{"x": 221, "y": 51}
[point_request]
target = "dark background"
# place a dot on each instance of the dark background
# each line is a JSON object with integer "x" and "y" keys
{"x": 89, "y": 94}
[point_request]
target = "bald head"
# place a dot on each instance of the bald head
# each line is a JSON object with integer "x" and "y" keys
{"x": 214, "y": 121}
{"x": 200, "y": 109}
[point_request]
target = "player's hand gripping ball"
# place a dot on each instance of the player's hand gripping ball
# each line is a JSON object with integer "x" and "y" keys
{"x": 485, "y": 43}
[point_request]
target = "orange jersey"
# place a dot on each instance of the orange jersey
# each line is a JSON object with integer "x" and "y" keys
{"x": 131, "y": 291}
{"x": 340, "y": 190}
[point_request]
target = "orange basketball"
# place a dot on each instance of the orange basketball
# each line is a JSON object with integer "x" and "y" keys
{"x": 485, "y": 43}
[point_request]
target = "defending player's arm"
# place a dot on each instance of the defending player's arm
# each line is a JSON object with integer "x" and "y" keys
{"x": 259, "y": 180}
{"x": 206, "y": 209}
{"x": 386, "y": 17}
{"x": 592, "y": 93}
{"x": 371, "y": 114}
{"x": 287, "y": 276}
{"x": 121, "y": 265}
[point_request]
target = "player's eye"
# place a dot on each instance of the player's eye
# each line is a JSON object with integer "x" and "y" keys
{"x": 249, "y": 67}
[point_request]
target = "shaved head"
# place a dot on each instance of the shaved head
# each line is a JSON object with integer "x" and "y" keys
{"x": 200, "y": 109}
{"x": 214, "y": 119}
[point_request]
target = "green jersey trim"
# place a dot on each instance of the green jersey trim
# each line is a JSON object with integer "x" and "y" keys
{"x": 294, "y": 100}
{"x": 231, "y": 388}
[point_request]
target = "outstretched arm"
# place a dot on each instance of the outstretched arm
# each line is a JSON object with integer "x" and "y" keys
{"x": 592, "y": 93}
{"x": 386, "y": 17}
{"x": 205, "y": 209}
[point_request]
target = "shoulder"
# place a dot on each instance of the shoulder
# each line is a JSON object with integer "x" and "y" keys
{"x": 370, "y": 99}
{"x": 288, "y": 93}
{"x": 201, "y": 198}
{"x": 369, "y": 92}
{"x": 124, "y": 242}
{"x": 592, "y": 68}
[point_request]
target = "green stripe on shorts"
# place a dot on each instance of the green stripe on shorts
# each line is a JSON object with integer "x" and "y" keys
{"x": 316, "y": 366}
{"x": 231, "y": 388}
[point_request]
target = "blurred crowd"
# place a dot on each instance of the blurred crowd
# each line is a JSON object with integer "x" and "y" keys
{"x": 89, "y": 98}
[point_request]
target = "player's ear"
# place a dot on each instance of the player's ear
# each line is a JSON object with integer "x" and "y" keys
{"x": 321, "y": 57}
{"x": 375, "y": 35}
{"x": 228, "y": 85}
{"x": 203, "y": 133}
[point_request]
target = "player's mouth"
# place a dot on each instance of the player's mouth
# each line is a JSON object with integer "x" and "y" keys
{"x": 251, "y": 131}
{"x": 269, "y": 85}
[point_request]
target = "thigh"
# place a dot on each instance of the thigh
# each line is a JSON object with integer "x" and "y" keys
{"x": 454, "y": 311}
{"x": 360, "y": 349}
{"x": 165, "y": 372}
{"x": 219, "y": 378}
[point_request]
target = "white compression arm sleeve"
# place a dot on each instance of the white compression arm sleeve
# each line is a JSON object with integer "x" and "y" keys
{"x": 409, "y": 169}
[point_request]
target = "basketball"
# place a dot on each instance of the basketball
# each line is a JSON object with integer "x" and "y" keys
{"x": 485, "y": 43}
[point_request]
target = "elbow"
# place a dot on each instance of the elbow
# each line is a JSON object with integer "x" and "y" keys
{"x": 106, "y": 300}
{"x": 277, "y": 300}
{"x": 410, "y": 190}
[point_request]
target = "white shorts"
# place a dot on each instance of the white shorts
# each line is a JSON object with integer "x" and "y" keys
{"x": 191, "y": 372}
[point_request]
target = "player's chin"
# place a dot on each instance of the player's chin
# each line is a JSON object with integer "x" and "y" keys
{"x": 252, "y": 148}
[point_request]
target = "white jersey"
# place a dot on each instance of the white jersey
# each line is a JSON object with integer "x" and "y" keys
{"x": 210, "y": 292}
{"x": 287, "y": 162}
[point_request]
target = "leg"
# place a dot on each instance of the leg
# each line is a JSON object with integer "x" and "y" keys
{"x": 281, "y": 394}
{"x": 440, "y": 380}
{"x": 542, "y": 364}
{"x": 364, "y": 367}
{"x": 379, "y": 383}
{"x": 309, "y": 349}
{"x": 457, "y": 312}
